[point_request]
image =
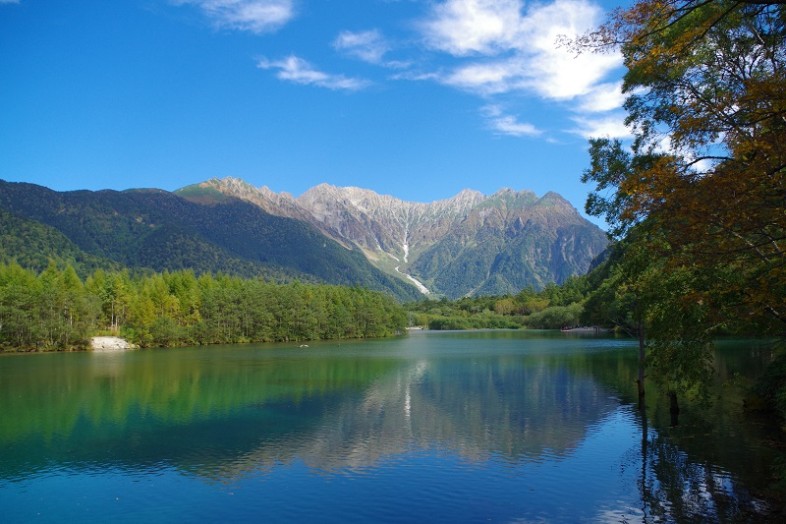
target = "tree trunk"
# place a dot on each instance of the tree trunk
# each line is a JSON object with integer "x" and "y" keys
{"x": 674, "y": 408}
{"x": 642, "y": 355}
{"x": 644, "y": 454}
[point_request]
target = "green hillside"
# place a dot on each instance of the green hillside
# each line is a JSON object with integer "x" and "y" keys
{"x": 158, "y": 230}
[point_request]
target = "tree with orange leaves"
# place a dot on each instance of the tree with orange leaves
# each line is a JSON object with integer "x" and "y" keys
{"x": 702, "y": 188}
{"x": 706, "y": 101}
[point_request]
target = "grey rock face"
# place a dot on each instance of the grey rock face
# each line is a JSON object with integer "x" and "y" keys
{"x": 465, "y": 245}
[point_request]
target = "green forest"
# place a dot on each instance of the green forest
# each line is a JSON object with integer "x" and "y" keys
{"x": 56, "y": 310}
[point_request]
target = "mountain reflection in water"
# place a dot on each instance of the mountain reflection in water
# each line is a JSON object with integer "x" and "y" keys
{"x": 513, "y": 402}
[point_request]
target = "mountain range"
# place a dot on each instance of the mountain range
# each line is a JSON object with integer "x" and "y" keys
{"x": 465, "y": 245}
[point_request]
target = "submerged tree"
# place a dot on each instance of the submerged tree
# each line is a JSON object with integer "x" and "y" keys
{"x": 659, "y": 304}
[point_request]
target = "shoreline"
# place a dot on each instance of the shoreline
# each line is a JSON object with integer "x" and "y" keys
{"x": 104, "y": 344}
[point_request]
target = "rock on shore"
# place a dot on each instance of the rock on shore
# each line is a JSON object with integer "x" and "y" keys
{"x": 110, "y": 344}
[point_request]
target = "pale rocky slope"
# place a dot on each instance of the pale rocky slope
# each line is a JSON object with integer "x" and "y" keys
{"x": 468, "y": 244}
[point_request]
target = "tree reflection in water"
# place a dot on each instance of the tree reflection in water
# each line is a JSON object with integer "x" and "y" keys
{"x": 515, "y": 421}
{"x": 676, "y": 487}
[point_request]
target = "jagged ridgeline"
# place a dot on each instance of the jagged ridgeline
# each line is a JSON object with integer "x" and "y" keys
{"x": 470, "y": 244}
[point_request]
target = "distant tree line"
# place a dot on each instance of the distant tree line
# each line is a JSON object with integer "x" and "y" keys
{"x": 56, "y": 310}
{"x": 554, "y": 307}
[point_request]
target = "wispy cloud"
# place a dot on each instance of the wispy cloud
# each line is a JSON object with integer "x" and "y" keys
{"x": 609, "y": 126}
{"x": 369, "y": 46}
{"x": 9, "y": 1}
{"x": 299, "y": 71}
{"x": 256, "y": 16}
{"x": 491, "y": 48}
{"x": 505, "y": 124}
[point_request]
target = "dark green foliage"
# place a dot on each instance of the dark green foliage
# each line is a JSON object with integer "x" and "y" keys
{"x": 610, "y": 163}
{"x": 556, "y": 317}
{"x": 465, "y": 313}
{"x": 770, "y": 392}
{"x": 554, "y": 307}
{"x": 160, "y": 231}
{"x": 54, "y": 310}
{"x": 34, "y": 245}
{"x": 483, "y": 321}
{"x": 700, "y": 222}
{"x": 51, "y": 310}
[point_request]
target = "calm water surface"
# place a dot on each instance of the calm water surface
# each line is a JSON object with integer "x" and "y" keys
{"x": 433, "y": 427}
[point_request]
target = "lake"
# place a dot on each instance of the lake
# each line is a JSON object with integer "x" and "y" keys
{"x": 498, "y": 426}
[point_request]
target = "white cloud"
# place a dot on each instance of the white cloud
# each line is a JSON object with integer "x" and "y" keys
{"x": 417, "y": 76}
{"x": 555, "y": 71}
{"x": 462, "y": 27}
{"x": 369, "y": 46}
{"x": 492, "y": 47}
{"x": 603, "y": 97}
{"x": 9, "y": 1}
{"x": 502, "y": 47}
{"x": 611, "y": 126}
{"x": 518, "y": 50}
{"x": 299, "y": 71}
{"x": 487, "y": 78}
{"x": 507, "y": 124}
{"x": 699, "y": 165}
{"x": 256, "y": 16}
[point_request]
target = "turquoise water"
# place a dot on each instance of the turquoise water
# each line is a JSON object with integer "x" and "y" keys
{"x": 433, "y": 427}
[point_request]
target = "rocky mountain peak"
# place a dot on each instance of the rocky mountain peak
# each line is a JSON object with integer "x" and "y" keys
{"x": 279, "y": 204}
{"x": 468, "y": 243}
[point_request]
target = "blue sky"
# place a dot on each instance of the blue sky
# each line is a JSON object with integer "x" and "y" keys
{"x": 415, "y": 99}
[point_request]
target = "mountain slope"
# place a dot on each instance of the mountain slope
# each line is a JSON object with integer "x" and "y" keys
{"x": 33, "y": 245}
{"x": 159, "y": 230}
{"x": 465, "y": 245}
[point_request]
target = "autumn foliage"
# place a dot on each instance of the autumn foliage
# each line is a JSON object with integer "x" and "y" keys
{"x": 706, "y": 101}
